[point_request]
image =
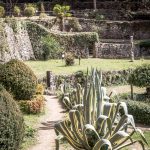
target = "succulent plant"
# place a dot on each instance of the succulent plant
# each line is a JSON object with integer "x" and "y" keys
{"x": 94, "y": 124}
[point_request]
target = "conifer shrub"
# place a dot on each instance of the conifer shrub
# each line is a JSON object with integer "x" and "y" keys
{"x": 16, "y": 11}
{"x": 19, "y": 79}
{"x": 11, "y": 122}
{"x": 69, "y": 59}
{"x": 29, "y": 11}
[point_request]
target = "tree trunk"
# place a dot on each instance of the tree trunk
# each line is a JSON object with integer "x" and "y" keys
{"x": 132, "y": 49}
{"x": 131, "y": 91}
{"x": 148, "y": 91}
{"x": 95, "y": 6}
{"x": 62, "y": 24}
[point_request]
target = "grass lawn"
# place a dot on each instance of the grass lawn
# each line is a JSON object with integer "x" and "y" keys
{"x": 58, "y": 66}
{"x": 31, "y": 122}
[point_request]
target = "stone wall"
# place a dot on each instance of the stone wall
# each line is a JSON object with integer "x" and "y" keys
{"x": 17, "y": 42}
{"x": 116, "y": 50}
{"x": 117, "y": 29}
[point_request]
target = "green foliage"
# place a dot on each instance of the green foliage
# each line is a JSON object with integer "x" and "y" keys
{"x": 95, "y": 124}
{"x": 77, "y": 39}
{"x": 80, "y": 77}
{"x": 11, "y": 122}
{"x": 145, "y": 43}
{"x": 74, "y": 24}
{"x": 96, "y": 15}
{"x": 16, "y": 11}
{"x": 42, "y": 15}
{"x": 51, "y": 48}
{"x": 19, "y": 79}
{"x": 61, "y": 11}
{"x": 141, "y": 76}
{"x": 99, "y": 17}
{"x": 69, "y": 59}
{"x": 29, "y": 132}
{"x": 2, "y": 11}
{"x": 116, "y": 77}
{"x": 29, "y": 11}
{"x": 139, "y": 109}
{"x": 33, "y": 106}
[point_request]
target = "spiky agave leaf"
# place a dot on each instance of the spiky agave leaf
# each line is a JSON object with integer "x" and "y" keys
{"x": 94, "y": 124}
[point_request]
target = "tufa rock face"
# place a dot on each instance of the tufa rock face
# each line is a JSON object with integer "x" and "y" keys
{"x": 17, "y": 43}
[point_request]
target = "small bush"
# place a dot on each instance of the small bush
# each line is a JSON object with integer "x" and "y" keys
{"x": 29, "y": 11}
{"x": 80, "y": 77}
{"x": 2, "y": 11}
{"x": 19, "y": 79}
{"x": 16, "y": 11}
{"x": 42, "y": 15}
{"x": 40, "y": 89}
{"x": 75, "y": 25}
{"x": 69, "y": 59}
{"x": 11, "y": 122}
{"x": 34, "y": 106}
{"x": 99, "y": 17}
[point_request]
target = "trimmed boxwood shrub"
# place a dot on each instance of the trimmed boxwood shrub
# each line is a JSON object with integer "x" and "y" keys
{"x": 19, "y": 79}
{"x": 29, "y": 11}
{"x": 11, "y": 122}
{"x": 139, "y": 109}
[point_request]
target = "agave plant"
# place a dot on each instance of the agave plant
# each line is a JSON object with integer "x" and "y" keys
{"x": 95, "y": 124}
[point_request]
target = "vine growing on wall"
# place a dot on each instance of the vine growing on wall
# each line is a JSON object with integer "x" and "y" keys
{"x": 3, "y": 40}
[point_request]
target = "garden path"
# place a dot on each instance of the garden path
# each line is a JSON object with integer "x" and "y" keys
{"x": 46, "y": 134}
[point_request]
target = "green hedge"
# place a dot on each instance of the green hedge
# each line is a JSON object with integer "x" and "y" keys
{"x": 70, "y": 41}
{"x": 139, "y": 109}
{"x": 110, "y": 78}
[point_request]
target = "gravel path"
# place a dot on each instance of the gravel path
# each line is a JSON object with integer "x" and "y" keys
{"x": 46, "y": 134}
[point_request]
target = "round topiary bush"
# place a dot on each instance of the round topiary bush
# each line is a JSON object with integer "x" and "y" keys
{"x": 11, "y": 122}
{"x": 16, "y": 11}
{"x": 19, "y": 79}
{"x": 69, "y": 59}
{"x": 2, "y": 11}
{"x": 29, "y": 11}
{"x": 141, "y": 77}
